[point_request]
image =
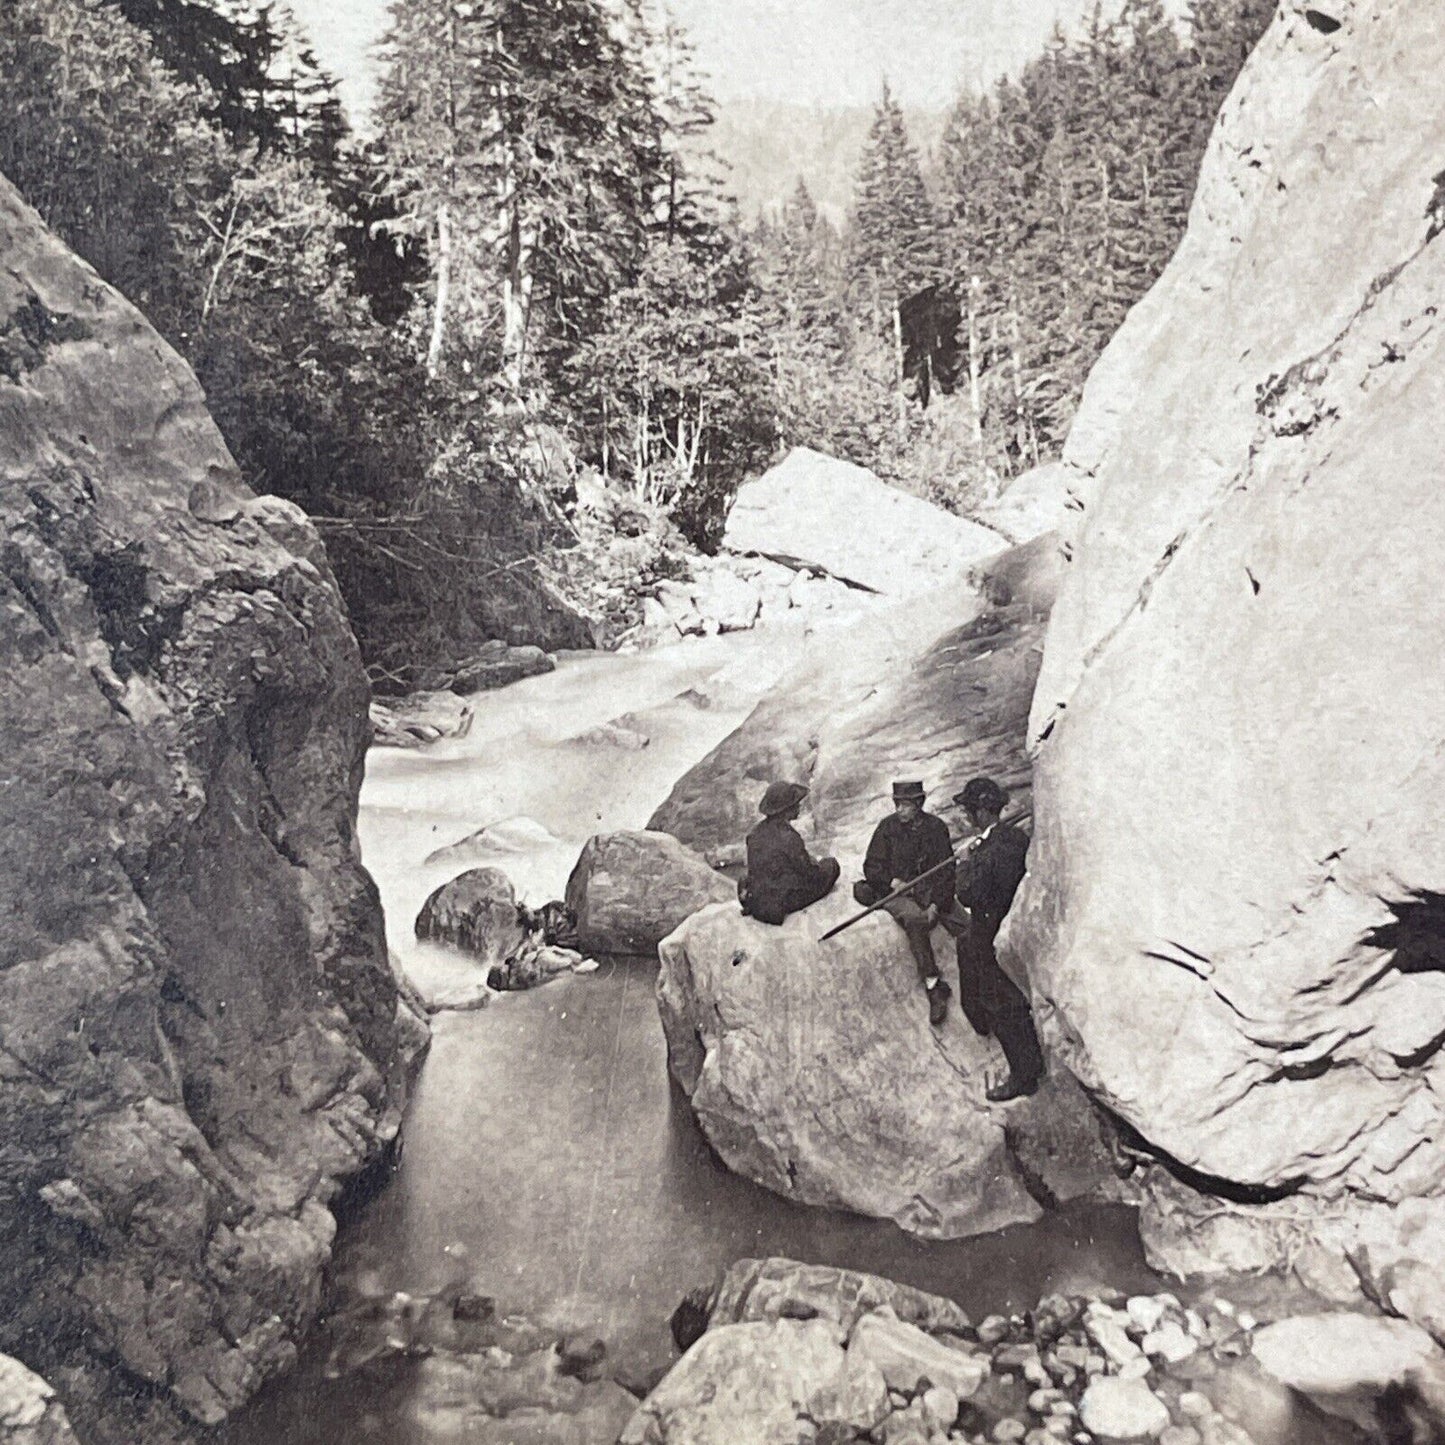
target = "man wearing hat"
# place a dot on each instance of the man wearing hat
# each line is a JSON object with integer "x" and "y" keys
{"x": 782, "y": 876}
{"x": 905, "y": 844}
{"x": 989, "y": 874}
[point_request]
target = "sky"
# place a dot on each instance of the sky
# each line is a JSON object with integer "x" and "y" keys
{"x": 814, "y": 52}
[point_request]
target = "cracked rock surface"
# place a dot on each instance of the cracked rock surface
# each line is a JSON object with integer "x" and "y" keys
{"x": 1235, "y": 909}
{"x": 200, "y": 1034}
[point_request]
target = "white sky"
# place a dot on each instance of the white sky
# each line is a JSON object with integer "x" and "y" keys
{"x": 817, "y": 52}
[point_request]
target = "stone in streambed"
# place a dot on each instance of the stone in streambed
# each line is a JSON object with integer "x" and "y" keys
{"x": 630, "y": 889}
{"x": 777, "y": 1288}
{"x": 907, "y": 1356}
{"x": 476, "y": 912}
{"x": 754, "y": 1381}
{"x": 1119, "y": 1409}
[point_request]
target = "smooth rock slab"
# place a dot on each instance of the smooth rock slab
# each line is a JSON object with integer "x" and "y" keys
{"x": 630, "y": 889}
{"x": 770, "y": 1289}
{"x": 907, "y": 1356}
{"x": 1119, "y": 1409}
{"x": 763, "y": 1383}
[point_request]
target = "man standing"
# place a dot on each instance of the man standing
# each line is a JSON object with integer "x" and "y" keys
{"x": 906, "y": 844}
{"x": 782, "y": 876}
{"x": 989, "y": 874}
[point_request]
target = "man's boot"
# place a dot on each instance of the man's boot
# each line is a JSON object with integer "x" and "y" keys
{"x": 938, "y": 994}
{"x": 1010, "y": 1089}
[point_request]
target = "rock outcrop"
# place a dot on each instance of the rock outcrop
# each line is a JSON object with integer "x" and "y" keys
{"x": 630, "y": 889}
{"x": 200, "y": 1033}
{"x": 816, "y": 509}
{"x": 1234, "y": 906}
{"x": 813, "y": 1070}
{"x": 939, "y": 689}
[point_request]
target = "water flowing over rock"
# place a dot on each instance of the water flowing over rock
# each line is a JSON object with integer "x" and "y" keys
{"x": 812, "y": 1069}
{"x": 200, "y": 1034}
{"x": 815, "y": 508}
{"x": 1234, "y": 904}
{"x": 938, "y": 689}
{"x": 630, "y": 889}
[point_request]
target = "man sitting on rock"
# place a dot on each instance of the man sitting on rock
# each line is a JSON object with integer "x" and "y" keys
{"x": 989, "y": 874}
{"x": 906, "y": 844}
{"x": 782, "y": 876}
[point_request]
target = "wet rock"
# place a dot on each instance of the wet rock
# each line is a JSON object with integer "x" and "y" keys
{"x": 813, "y": 1070}
{"x": 534, "y": 965}
{"x": 840, "y": 516}
{"x": 1257, "y": 991}
{"x": 419, "y": 718}
{"x": 629, "y": 890}
{"x": 505, "y": 838}
{"x": 940, "y": 1406}
{"x": 754, "y": 1381}
{"x": 1350, "y": 1364}
{"x": 476, "y": 912}
{"x": 769, "y": 1289}
{"x": 29, "y": 1412}
{"x": 908, "y": 1357}
{"x": 1118, "y": 1409}
{"x": 192, "y": 963}
{"x": 495, "y": 665}
{"x": 613, "y": 735}
{"x": 581, "y": 1356}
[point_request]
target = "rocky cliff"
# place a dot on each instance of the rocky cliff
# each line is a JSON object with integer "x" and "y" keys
{"x": 200, "y": 1035}
{"x": 1233, "y": 918}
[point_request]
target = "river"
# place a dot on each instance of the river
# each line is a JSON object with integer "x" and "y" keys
{"x": 547, "y": 1160}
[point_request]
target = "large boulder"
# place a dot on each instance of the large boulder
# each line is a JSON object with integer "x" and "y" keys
{"x": 815, "y": 508}
{"x": 1032, "y": 504}
{"x": 202, "y": 1036}
{"x": 813, "y": 1070}
{"x": 1234, "y": 903}
{"x": 939, "y": 689}
{"x": 476, "y": 912}
{"x": 630, "y": 889}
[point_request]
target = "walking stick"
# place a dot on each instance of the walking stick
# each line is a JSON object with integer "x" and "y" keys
{"x": 923, "y": 877}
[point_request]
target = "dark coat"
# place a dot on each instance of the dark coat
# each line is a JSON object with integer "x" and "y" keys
{"x": 782, "y": 876}
{"x": 903, "y": 851}
{"x": 989, "y": 875}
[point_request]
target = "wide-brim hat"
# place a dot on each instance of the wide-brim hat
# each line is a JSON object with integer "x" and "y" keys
{"x": 908, "y": 792}
{"x": 780, "y": 796}
{"x": 982, "y": 793}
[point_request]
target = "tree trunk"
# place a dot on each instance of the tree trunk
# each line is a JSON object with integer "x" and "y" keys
{"x": 898, "y": 370}
{"x": 516, "y": 297}
{"x": 1021, "y": 424}
{"x": 444, "y": 286}
{"x": 975, "y": 387}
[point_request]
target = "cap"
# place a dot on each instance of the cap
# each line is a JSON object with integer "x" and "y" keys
{"x": 780, "y": 796}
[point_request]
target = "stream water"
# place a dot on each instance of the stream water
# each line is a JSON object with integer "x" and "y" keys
{"x": 547, "y": 1160}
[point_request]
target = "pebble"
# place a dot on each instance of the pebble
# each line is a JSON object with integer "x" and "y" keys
{"x": 1135, "y": 1369}
{"x": 1095, "y": 1365}
{"x": 1042, "y": 1399}
{"x": 1181, "y": 1435}
{"x": 1223, "y": 1306}
{"x": 1146, "y": 1312}
{"x": 993, "y": 1330}
{"x": 1195, "y": 1322}
{"x": 1017, "y": 1357}
{"x": 1009, "y": 1429}
{"x": 1195, "y": 1406}
{"x": 1116, "y": 1409}
{"x": 940, "y": 1405}
{"x": 1035, "y": 1373}
{"x": 1074, "y": 1356}
{"x": 1171, "y": 1341}
{"x": 1246, "y": 1321}
{"x": 1109, "y": 1335}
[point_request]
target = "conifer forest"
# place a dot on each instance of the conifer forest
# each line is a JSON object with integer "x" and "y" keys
{"x": 528, "y": 269}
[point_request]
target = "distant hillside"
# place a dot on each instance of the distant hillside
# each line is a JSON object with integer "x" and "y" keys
{"x": 769, "y": 144}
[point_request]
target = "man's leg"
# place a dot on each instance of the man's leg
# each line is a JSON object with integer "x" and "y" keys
{"x": 1013, "y": 1025}
{"x": 914, "y": 922}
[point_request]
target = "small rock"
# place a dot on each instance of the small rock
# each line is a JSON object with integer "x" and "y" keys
{"x": 1222, "y": 1306}
{"x": 1194, "y": 1406}
{"x": 1181, "y": 1435}
{"x": 993, "y": 1330}
{"x": 1118, "y": 1409}
{"x": 1016, "y": 1358}
{"x": 1096, "y": 1365}
{"x": 581, "y": 1356}
{"x": 474, "y": 1308}
{"x": 940, "y": 1405}
{"x": 1109, "y": 1335}
{"x": 1246, "y": 1321}
{"x": 1041, "y": 1400}
{"x": 1146, "y": 1311}
{"x": 1009, "y": 1430}
{"x": 1170, "y": 1341}
{"x": 1136, "y": 1369}
{"x": 898, "y": 1399}
{"x": 1195, "y": 1324}
{"x": 1074, "y": 1356}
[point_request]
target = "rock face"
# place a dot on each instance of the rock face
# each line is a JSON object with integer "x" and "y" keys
{"x": 200, "y": 1034}
{"x": 813, "y": 1070}
{"x": 1234, "y": 904}
{"x": 630, "y": 889}
{"x": 938, "y": 689}
{"x": 1035, "y": 503}
{"x": 815, "y": 508}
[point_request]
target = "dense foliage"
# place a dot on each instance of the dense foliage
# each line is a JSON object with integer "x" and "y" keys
{"x": 532, "y": 277}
